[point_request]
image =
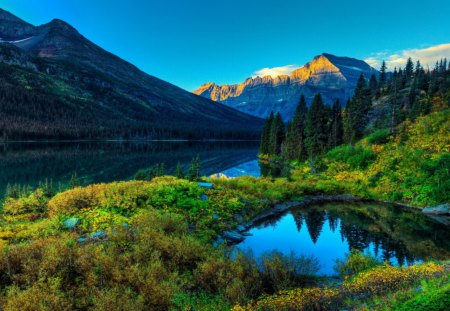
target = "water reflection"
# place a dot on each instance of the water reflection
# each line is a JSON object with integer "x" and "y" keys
{"x": 331, "y": 231}
{"x": 31, "y": 163}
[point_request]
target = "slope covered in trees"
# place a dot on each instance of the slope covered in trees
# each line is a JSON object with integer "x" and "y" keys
{"x": 377, "y": 104}
{"x": 56, "y": 84}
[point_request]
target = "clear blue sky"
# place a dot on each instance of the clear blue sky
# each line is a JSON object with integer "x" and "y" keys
{"x": 189, "y": 42}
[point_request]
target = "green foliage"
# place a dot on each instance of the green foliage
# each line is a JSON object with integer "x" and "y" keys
{"x": 357, "y": 157}
{"x": 432, "y": 300}
{"x": 281, "y": 272}
{"x": 148, "y": 174}
{"x": 354, "y": 263}
{"x": 194, "y": 170}
{"x": 379, "y": 137}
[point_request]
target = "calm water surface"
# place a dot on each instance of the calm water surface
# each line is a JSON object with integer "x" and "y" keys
{"x": 328, "y": 232}
{"x": 93, "y": 162}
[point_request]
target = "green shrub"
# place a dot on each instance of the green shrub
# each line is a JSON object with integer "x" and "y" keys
{"x": 281, "y": 272}
{"x": 379, "y": 137}
{"x": 354, "y": 263}
{"x": 437, "y": 299}
{"x": 357, "y": 157}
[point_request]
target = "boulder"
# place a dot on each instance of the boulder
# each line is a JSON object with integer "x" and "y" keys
{"x": 206, "y": 185}
{"x": 443, "y": 209}
{"x": 71, "y": 223}
{"x": 98, "y": 235}
{"x": 233, "y": 236}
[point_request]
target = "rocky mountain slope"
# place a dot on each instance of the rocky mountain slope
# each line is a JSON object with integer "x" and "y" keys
{"x": 332, "y": 76}
{"x": 55, "y": 83}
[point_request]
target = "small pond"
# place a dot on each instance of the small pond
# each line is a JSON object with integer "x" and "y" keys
{"x": 330, "y": 231}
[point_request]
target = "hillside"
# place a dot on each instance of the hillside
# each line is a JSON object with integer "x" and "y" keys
{"x": 332, "y": 76}
{"x": 56, "y": 84}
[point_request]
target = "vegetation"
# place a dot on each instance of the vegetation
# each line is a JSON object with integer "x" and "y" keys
{"x": 378, "y": 107}
{"x": 152, "y": 243}
{"x": 154, "y": 251}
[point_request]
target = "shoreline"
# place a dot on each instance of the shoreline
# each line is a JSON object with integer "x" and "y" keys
{"x": 240, "y": 232}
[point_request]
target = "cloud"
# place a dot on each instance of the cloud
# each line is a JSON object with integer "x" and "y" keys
{"x": 275, "y": 71}
{"x": 427, "y": 56}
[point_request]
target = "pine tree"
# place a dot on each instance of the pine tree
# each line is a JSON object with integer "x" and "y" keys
{"x": 356, "y": 112}
{"x": 316, "y": 125}
{"x": 383, "y": 77}
{"x": 179, "y": 171}
{"x": 336, "y": 125}
{"x": 277, "y": 134}
{"x": 373, "y": 84}
{"x": 294, "y": 145}
{"x": 265, "y": 136}
{"x": 194, "y": 170}
{"x": 409, "y": 70}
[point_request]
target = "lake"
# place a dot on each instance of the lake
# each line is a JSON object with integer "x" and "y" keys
{"x": 94, "y": 162}
{"x": 328, "y": 232}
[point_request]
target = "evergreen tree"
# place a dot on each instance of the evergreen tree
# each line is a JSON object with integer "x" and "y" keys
{"x": 336, "y": 125}
{"x": 373, "y": 84}
{"x": 277, "y": 134}
{"x": 179, "y": 171}
{"x": 394, "y": 100}
{"x": 265, "y": 136}
{"x": 409, "y": 70}
{"x": 356, "y": 112}
{"x": 294, "y": 146}
{"x": 316, "y": 128}
{"x": 383, "y": 76}
{"x": 194, "y": 170}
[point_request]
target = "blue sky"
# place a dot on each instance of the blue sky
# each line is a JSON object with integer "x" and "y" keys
{"x": 189, "y": 42}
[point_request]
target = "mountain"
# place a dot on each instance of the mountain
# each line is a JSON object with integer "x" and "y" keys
{"x": 55, "y": 83}
{"x": 332, "y": 76}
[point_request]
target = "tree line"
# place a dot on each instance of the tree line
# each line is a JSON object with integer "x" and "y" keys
{"x": 381, "y": 102}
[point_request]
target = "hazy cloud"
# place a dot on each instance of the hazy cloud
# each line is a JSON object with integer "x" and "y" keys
{"x": 427, "y": 56}
{"x": 275, "y": 71}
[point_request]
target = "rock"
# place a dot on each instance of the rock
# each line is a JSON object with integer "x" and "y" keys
{"x": 71, "y": 223}
{"x": 238, "y": 218}
{"x": 443, "y": 209}
{"x": 81, "y": 240}
{"x": 204, "y": 197}
{"x": 233, "y": 236}
{"x": 206, "y": 185}
{"x": 218, "y": 241}
{"x": 445, "y": 220}
{"x": 240, "y": 228}
{"x": 98, "y": 236}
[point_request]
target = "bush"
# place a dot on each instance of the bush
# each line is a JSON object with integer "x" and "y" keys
{"x": 383, "y": 279}
{"x": 434, "y": 300}
{"x": 379, "y": 137}
{"x": 357, "y": 157}
{"x": 281, "y": 272}
{"x": 26, "y": 207}
{"x": 354, "y": 263}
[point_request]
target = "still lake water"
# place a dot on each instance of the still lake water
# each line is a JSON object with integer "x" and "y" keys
{"x": 329, "y": 231}
{"x": 94, "y": 162}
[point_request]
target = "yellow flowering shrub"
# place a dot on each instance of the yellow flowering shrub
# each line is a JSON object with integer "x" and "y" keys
{"x": 389, "y": 278}
{"x": 297, "y": 299}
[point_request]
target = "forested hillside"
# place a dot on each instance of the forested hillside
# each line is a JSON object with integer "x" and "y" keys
{"x": 378, "y": 104}
{"x": 404, "y": 156}
{"x": 56, "y": 84}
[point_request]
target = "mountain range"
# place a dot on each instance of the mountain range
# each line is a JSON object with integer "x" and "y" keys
{"x": 332, "y": 76}
{"x": 56, "y": 84}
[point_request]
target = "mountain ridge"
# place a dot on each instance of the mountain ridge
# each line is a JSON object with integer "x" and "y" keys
{"x": 113, "y": 93}
{"x": 333, "y": 76}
